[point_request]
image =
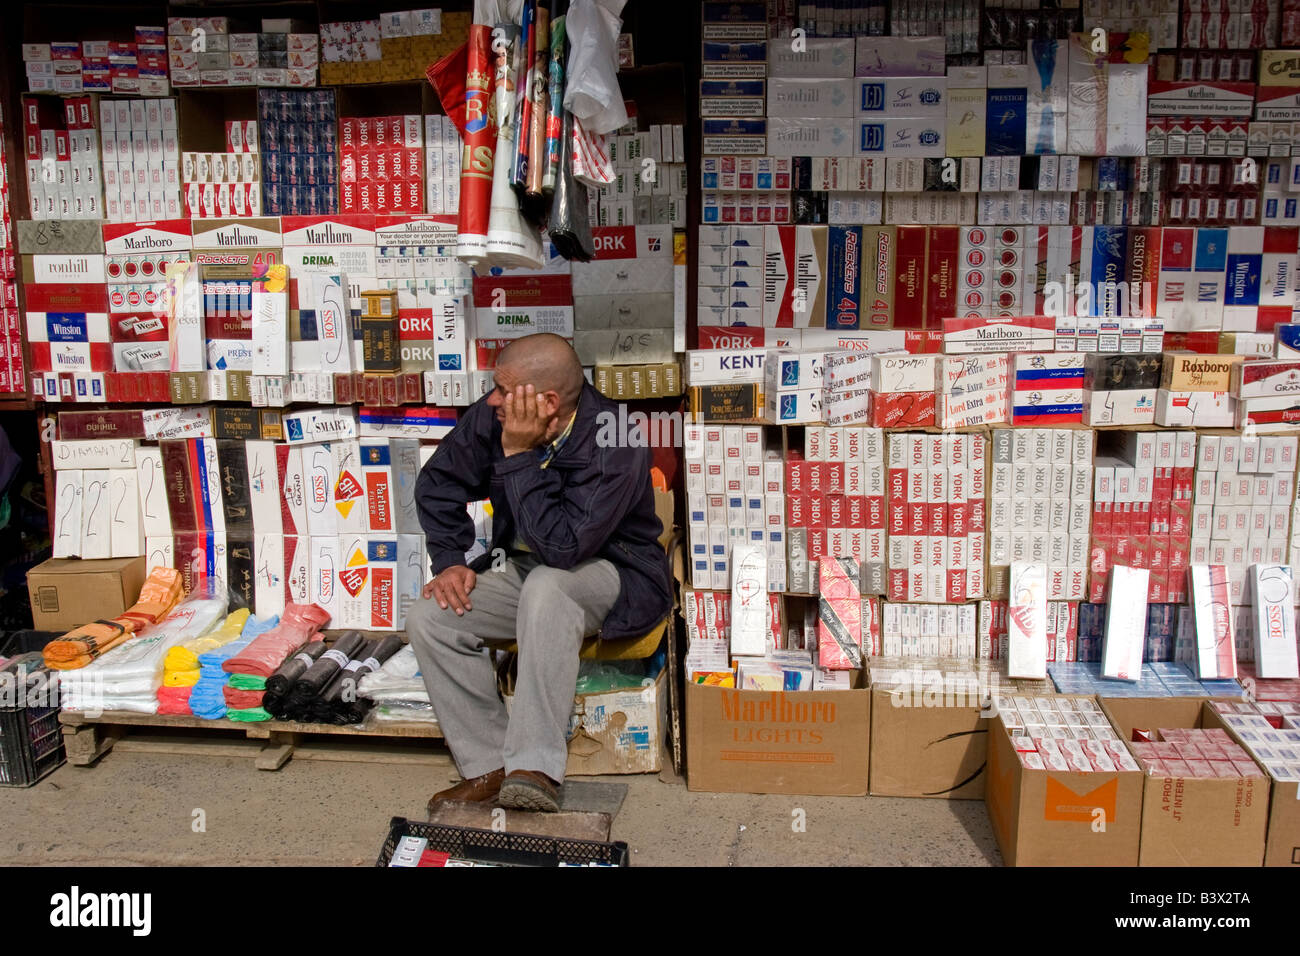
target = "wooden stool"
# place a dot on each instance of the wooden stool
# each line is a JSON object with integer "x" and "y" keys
{"x": 626, "y": 649}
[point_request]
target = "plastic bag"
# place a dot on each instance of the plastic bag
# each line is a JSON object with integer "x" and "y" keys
{"x": 570, "y": 227}
{"x": 591, "y": 92}
{"x": 598, "y": 677}
{"x": 398, "y": 680}
{"x": 264, "y": 654}
{"x": 112, "y": 680}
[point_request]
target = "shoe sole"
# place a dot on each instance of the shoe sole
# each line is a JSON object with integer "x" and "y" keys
{"x": 525, "y": 796}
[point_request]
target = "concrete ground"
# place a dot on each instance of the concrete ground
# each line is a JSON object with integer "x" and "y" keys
{"x": 139, "y": 809}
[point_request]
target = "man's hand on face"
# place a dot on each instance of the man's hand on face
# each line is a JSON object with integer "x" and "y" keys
{"x": 526, "y": 425}
{"x": 451, "y": 587}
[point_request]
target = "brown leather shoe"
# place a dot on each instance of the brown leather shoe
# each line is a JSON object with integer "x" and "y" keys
{"x": 482, "y": 789}
{"x": 530, "y": 790}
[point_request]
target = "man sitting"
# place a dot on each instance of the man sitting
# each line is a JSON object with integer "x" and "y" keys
{"x": 574, "y": 552}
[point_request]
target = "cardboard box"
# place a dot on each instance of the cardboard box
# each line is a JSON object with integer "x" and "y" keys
{"x": 1051, "y": 818}
{"x": 1193, "y": 821}
{"x": 67, "y": 593}
{"x": 799, "y": 742}
{"x": 1282, "y": 844}
{"x": 927, "y": 751}
{"x": 619, "y": 731}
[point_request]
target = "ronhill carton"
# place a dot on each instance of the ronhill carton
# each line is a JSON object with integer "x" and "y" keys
{"x": 808, "y": 742}
{"x": 1190, "y": 372}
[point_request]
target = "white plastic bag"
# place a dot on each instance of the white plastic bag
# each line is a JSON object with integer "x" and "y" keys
{"x": 136, "y": 666}
{"x": 591, "y": 92}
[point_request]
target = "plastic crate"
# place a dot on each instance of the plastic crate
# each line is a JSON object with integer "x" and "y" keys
{"x": 501, "y": 848}
{"x": 31, "y": 739}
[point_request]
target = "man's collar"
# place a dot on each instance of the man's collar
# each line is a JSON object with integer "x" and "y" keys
{"x": 576, "y": 448}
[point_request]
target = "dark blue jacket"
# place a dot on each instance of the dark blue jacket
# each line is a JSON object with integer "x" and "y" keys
{"x": 588, "y": 502}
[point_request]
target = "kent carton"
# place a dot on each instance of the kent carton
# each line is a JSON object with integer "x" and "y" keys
{"x": 920, "y": 750}
{"x": 1060, "y": 818}
{"x": 1193, "y": 821}
{"x": 1282, "y": 846}
{"x": 797, "y": 742}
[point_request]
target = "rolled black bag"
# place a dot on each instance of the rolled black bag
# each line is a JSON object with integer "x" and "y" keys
{"x": 317, "y": 677}
{"x": 281, "y": 682}
{"x": 273, "y": 704}
{"x": 319, "y": 709}
{"x": 570, "y": 228}
{"x": 374, "y": 657}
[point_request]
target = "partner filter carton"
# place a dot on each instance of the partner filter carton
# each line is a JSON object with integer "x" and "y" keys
{"x": 1192, "y": 819}
{"x": 1062, "y": 815}
{"x": 798, "y": 742}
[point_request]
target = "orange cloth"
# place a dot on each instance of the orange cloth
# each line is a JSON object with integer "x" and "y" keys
{"x": 161, "y": 592}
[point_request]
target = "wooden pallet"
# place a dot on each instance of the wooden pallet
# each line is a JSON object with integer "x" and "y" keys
{"x": 271, "y": 743}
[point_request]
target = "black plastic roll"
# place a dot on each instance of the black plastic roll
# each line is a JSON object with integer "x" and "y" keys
{"x": 274, "y": 704}
{"x": 317, "y": 677}
{"x": 355, "y": 710}
{"x": 281, "y": 682}
{"x": 570, "y": 228}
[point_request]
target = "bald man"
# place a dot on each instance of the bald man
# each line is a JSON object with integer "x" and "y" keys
{"x": 574, "y": 552}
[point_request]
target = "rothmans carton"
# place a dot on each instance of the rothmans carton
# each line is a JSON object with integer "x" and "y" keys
{"x": 1266, "y": 379}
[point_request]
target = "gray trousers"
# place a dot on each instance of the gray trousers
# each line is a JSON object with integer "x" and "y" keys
{"x": 549, "y": 612}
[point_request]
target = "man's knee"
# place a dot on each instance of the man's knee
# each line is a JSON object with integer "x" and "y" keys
{"x": 543, "y": 587}
{"x": 427, "y": 622}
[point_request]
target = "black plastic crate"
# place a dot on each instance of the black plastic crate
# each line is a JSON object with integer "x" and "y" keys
{"x": 501, "y": 848}
{"x": 31, "y": 740}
